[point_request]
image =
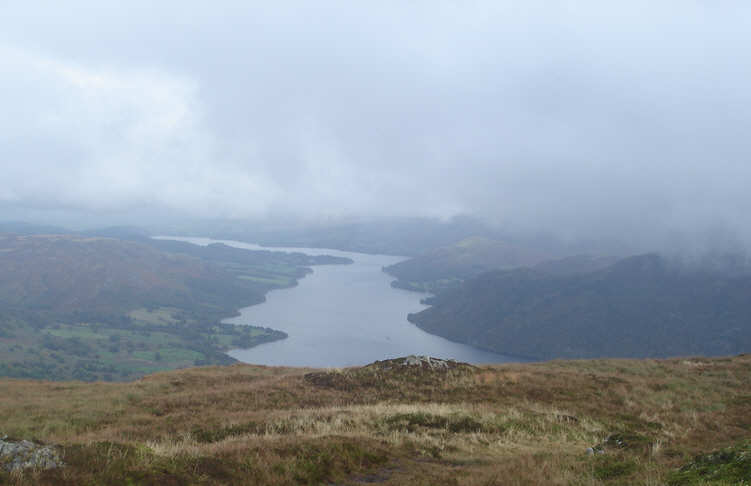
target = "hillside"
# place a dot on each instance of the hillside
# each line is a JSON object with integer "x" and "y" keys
{"x": 640, "y": 306}
{"x": 447, "y": 266}
{"x": 68, "y": 274}
{"x": 101, "y": 308}
{"x": 605, "y": 422}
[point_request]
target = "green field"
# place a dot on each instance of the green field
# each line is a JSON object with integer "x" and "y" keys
{"x": 156, "y": 316}
{"x": 155, "y": 340}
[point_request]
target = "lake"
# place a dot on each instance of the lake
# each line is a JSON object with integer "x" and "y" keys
{"x": 342, "y": 315}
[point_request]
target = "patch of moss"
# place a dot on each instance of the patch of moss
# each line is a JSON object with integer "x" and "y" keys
{"x": 318, "y": 463}
{"x": 726, "y": 466}
{"x": 611, "y": 467}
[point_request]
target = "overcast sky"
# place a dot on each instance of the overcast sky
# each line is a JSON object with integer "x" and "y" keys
{"x": 583, "y": 117}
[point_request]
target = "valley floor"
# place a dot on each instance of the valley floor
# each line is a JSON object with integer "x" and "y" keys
{"x": 511, "y": 424}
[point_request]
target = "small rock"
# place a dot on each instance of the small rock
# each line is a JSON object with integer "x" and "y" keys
{"x": 427, "y": 362}
{"x": 24, "y": 454}
{"x": 591, "y": 451}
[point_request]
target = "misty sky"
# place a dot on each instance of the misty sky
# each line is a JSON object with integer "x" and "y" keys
{"x": 582, "y": 117}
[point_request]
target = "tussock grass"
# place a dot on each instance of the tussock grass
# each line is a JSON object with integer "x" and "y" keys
{"x": 494, "y": 425}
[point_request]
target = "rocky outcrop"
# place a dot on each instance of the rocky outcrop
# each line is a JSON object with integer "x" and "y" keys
{"x": 423, "y": 362}
{"x": 24, "y": 454}
{"x": 394, "y": 373}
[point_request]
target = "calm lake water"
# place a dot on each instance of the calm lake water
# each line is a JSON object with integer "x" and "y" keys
{"x": 342, "y": 315}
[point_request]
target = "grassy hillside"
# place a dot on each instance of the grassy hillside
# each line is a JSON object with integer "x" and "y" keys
{"x": 67, "y": 274}
{"x": 678, "y": 421}
{"x": 89, "y": 307}
{"x": 639, "y": 306}
{"x": 446, "y": 267}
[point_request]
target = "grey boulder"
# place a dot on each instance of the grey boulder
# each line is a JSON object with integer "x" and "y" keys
{"x": 24, "y": 454}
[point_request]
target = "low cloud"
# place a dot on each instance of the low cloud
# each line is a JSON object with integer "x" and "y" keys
{"x": 83, "y": 137}
{"x": 586, "y": 119}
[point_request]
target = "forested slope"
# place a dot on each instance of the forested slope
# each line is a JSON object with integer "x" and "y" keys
{"x": 640, "y": 306}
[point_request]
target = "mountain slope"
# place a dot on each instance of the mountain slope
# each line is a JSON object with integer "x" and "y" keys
{"x": 639, "y": 306}
{"x": 392, "y": 425}
{"x": 446, "y": 266}
{"x": 65, "y": 273}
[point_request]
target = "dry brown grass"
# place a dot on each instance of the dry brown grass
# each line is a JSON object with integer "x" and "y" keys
{"x": 513, "y": 424}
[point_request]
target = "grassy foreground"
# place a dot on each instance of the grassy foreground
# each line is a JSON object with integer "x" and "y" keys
{"x": 509, "y": 424}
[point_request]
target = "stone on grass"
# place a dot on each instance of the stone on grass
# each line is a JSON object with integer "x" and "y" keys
{"x": 25, "y": 454}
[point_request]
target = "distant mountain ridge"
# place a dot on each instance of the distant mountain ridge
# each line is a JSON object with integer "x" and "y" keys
{"x": 446, "y": 266}
{"x": 70, "y": 273}
{"x": 402, "y": 237}
{"x": 641, "y": 306}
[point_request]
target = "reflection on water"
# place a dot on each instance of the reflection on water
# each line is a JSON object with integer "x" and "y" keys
{"x": 343, "y": 315}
